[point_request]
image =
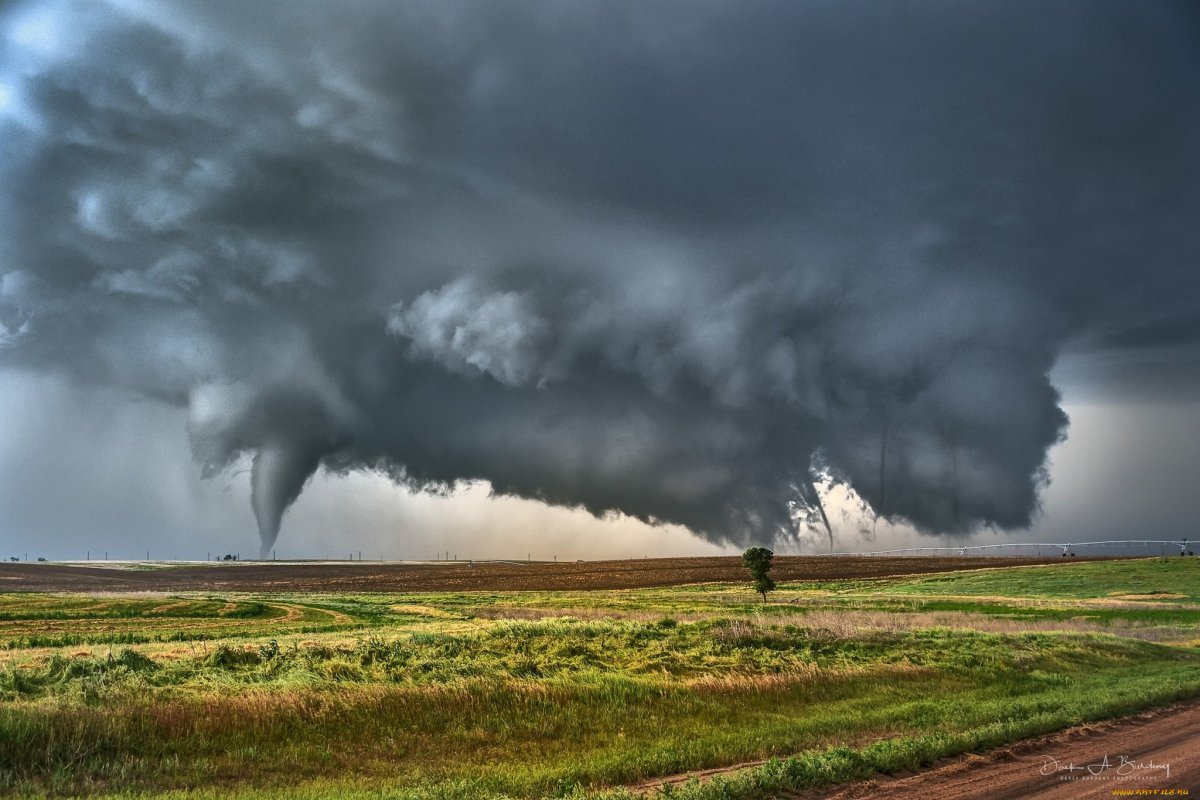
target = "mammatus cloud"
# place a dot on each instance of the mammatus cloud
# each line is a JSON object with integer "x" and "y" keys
{"x": 692, "y": 270}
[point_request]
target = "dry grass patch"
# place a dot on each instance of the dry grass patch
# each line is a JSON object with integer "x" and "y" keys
{"x": 522, "y": 613}
{"x": 425, "y": 611}
{"x": 852, "y": 624}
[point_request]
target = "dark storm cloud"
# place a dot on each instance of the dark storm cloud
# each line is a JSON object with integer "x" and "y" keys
{"x": 681, "y": 262}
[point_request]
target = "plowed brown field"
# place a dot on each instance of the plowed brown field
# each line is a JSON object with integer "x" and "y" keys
{"x": 461, "y": 576}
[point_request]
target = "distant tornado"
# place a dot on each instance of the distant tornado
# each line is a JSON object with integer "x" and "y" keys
{"x": 279, "y": 472}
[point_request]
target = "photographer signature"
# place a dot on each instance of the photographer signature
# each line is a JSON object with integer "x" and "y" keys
{"x": 1123, "y": 765}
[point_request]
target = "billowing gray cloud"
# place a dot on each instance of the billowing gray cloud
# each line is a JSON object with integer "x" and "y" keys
{"x": 686, "y": 265}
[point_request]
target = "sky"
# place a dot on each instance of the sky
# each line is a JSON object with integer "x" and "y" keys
{"x": 505, "y": 279}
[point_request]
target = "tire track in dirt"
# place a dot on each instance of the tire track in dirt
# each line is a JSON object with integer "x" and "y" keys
{"x": 294, "y": 613}
{"x": 1152, "y": 754}
{"x": 165, "y": 607}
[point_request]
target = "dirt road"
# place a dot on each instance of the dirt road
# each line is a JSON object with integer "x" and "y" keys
{"x": 1156, "y": 754}
{"x": 461, "y": 576}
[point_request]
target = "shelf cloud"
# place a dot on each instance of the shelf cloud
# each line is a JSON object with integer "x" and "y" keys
{"x": 691, "y": 265}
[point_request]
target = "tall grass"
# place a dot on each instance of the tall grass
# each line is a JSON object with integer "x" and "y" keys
{"x": 520, "y": 709}
{"x": 488, "y": 741}
{"x": 522, "y": 695}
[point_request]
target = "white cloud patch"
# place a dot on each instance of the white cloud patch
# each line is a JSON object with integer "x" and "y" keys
{"x": 469, "y": 330}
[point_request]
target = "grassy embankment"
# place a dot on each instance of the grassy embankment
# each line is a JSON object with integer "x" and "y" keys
{"x": 479, "y": 695}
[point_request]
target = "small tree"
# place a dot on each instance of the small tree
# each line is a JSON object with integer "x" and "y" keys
{"x": 758, "y": 561}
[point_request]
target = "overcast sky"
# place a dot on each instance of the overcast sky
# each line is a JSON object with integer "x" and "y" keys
{"x": 600, "y": 279}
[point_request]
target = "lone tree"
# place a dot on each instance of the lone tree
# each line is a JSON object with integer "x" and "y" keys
{"x": 758, "y": 561}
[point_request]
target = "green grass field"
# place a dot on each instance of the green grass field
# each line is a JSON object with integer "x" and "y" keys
{"x": 579, "y": 694}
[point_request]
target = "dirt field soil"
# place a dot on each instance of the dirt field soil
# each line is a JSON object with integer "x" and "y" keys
{"x": 1155, "y": 754}
{"x": 460, "y": 576}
